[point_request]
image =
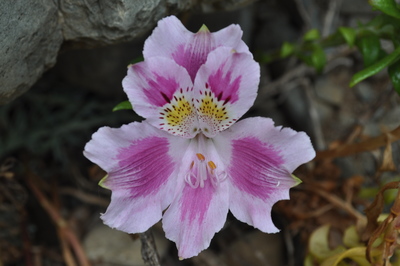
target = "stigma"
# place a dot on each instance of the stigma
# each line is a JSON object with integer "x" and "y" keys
{"x": 201, "y": 171}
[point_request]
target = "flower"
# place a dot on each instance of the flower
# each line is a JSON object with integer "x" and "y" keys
{"x": 190, "y": 157}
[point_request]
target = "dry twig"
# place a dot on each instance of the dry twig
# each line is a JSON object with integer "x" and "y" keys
{"x": 363, "y": 146}
{"x": 65, "y": 232}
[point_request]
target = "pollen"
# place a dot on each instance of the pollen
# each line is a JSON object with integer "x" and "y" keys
{"x": 212, "y": 165}
{"x": 200, "y": 156}
{"x": 178, "y": 116}
{"x": 210, "y": 108}
{"x": 181, "y": 109}
{"x": 213, "y": 110}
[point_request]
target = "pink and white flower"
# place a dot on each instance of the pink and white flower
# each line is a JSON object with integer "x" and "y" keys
{"x": 190, "y": 158}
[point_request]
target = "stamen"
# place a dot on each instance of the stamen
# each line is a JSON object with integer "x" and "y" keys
{"x": 216, "y": 179}
{"x": 189, "y": 179}
{"x": 222, "y": 176}
{"x": 200, "y": 156}
{"x": 200, "y": 171}
{"x": 212, "y": 165}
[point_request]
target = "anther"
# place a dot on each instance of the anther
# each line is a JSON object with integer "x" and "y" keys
{"x": 212, "y": 165}
{"x": 200, "y": 156}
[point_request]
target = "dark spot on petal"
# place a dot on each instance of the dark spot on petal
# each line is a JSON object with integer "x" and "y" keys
{"x": 165, "y": 97}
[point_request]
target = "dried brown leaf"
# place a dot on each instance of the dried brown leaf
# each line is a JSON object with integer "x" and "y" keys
{"x": 363, "y": 146}
{"x": 387, "y": 160}
{"x": 375, "y": 209}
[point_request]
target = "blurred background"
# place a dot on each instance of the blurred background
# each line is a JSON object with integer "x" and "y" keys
{"x": 43, "y": 132}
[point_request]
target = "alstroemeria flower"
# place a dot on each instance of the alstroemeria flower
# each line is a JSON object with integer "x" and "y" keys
{"x": 189, "y": 158}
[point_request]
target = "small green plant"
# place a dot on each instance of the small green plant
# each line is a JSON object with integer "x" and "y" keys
{"x": 366, "y": 37}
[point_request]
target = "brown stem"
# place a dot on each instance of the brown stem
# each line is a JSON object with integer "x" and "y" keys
{"x": 338, "y": 202}
{"x": 363, "y": 146}
{"x": 59, "y": 221}
{"x": 149, "y": 250}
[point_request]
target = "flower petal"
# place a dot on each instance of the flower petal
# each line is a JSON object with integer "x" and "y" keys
{"x": 200, "y": 210}
{"x": 261, "y": 158}
{"x": 162, "y": 91}
{"x": 141, "y": 162}
{"x": 225, "y": 88}
{"x": 171, "y": 39}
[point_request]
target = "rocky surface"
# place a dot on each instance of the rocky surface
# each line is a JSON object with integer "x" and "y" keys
{"x": 31, "y": 33}
{"x": 30, "y": 37}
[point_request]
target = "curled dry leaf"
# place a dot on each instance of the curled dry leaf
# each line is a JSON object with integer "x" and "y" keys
{"x": 388, "y": 229}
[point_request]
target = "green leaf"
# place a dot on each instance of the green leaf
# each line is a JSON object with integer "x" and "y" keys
{"x": 370, "y": 47}
{"x": 125, "y": 105}
{"x": 349, "y": 34}
{"x": 351, "y": 238}
{"x": 287, "y": 49}
{"x": 318, "y": 58}
{"x": 311, "y": 35}
{"x": 386, "y": 6}
{"x": 357, "y": 254}
{"x": 136, "y": 60}
{"x": 394, "y": 73}
{"x": 375, "y": 68}
{"x": 319, "y": 246}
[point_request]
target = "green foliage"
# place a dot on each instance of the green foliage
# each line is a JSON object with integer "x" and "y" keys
{"x": 53, "y": 123}
{"x": 394, "y": 73}
{"x": 125, "y": 105}
{"x": 376, "y": 67}
{"x": 318, "y": 58}
{"x": 136, "y": 60}
{"x": 287, "y": 49}
{"x": 349, "y": 35}
{"x": 370, "y": 48}
{"x": 366, "y": 37}
{"x": 311, "y": 35}
{"x": 386, "y": 6}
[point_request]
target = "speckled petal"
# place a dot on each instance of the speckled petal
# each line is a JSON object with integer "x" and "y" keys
{"x": 225, "y": 88}
{"x": 162, "y": 91}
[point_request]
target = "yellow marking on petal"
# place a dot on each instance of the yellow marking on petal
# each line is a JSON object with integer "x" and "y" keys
{"x": 101, "y": 183}
{"x": 178, "y": 112}
{"x": 200, "y": 156}
{"x": 211, "y": 108}
{"x": 212, "y": 165}
{"x": 191, "y": 165}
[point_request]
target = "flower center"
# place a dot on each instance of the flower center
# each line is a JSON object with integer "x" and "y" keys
{"x": 202, "y": 170}
{"x": 213, "y": 111}
{"x": 178, "y": 116}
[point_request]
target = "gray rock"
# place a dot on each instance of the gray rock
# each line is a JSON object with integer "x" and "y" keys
{"x": 107, "y": 246}
{"x": 30, "y": 37}
{"x": 31, "y": 32}
{"x": 100, "y": 22}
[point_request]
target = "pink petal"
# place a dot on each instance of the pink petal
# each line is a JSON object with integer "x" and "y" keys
{"x": 261, "y": 158}
{"x": 141, "y": 162}
{"x": 198, "y": 212}
{"x": 162, "y": 91}
{"x": 225, "y": 88}
{"x": 190, "y": 50}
